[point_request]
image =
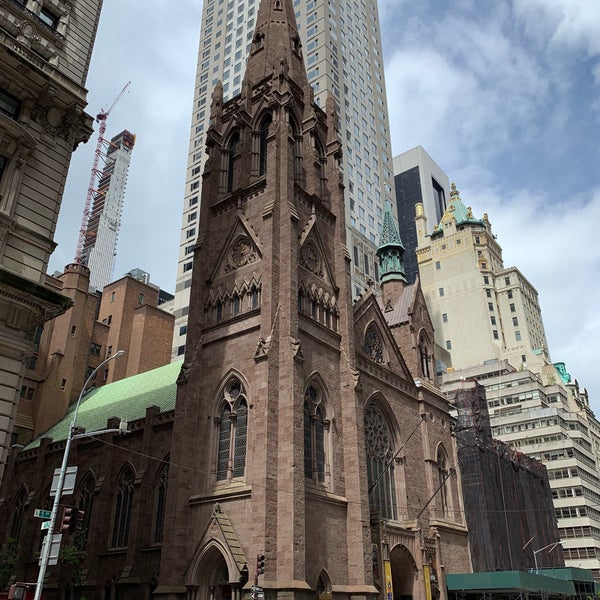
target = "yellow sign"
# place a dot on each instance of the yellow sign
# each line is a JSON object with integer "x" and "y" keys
{"x": 427, "y": 577}
{"x": 389, "y": 588}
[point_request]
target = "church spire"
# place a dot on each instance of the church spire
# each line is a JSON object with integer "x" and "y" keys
{"x": 276, "y": 48}
{"x": 391, "y": 251}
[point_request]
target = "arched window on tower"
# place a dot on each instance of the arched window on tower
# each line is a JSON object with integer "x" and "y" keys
{"x": 442, "y": 469}
{"x": 315, "y": 430}
{"x": 380, "y": 463}
{"x": 296, "y": 149}
{"x": 264, "y": 134}
{"x": 232, "y": 425}
{"x": 320, "y": 171}
{"x": 123, "y": 508}
{"x": 231, "y": 152}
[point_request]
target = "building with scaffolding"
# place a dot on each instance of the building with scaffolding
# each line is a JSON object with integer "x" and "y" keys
{"x": 100, "y": 241}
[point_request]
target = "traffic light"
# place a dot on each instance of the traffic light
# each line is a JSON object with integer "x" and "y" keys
{"x": 79, "y": 514}
{"x": 72, "y": 519}
{"x": 68, "y": 519}
{"x": 260, "y": 564}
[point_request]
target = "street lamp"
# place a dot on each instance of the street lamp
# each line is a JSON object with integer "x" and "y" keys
{"x": 61, "y": 481}
{"x": 535, "y": 553}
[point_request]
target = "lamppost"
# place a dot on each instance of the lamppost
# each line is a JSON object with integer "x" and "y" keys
{"x": 535, "y": 553}
{"x": 61, "y": 480}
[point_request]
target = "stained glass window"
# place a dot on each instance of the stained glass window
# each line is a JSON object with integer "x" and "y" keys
{"x": 380, "y": 464}
{"x": 123, "y": 507}
{"x": 314, "y": 435}
{"x": 233, "y": 432}
{"x": 373, "y": 345}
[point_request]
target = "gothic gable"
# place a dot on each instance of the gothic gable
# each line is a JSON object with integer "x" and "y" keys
{"x": 241, "y": 249}
{"x": 374, "y": 340}
{"x": 313, "y": 256}
{"x": 219, "y": 534}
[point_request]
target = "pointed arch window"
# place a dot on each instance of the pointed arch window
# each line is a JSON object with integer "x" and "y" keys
{"x": 264, "y": 134}
{"x": 231, "y": 152}
{"x": 86, "y": 501}
{"x": 442, "y": 470}
{"x": 373, "y": 345}
{"x": 380, "y": 463}
{"x": 315, "y": 429}
{"x": 18, "y": 513}
{"x": 424, "y": 356}
{"x": 161, "y": 500}
{"x": 232, "y": 424}
{"x": 123, "y": 508}
{"x": 320, "y": 171}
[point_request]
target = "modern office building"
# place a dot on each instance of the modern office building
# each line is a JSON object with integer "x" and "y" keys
{"x": 481, "y": 310}
{"x": 45, "y": 50}
{"x": 100, "y": 243}
{"x": 341, "y": 45}
{"x": 418, "y": 179}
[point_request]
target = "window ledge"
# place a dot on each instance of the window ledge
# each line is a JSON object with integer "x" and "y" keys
{"x": 229, "y": 492}
{"x": 315, "y": 493}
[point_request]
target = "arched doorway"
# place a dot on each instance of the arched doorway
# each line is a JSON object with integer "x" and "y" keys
{"x": 404, "y": 570}
{"x": 213, "y": 577}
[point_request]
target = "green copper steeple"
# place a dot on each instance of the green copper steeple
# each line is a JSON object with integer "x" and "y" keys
{"x": 391, "y": 251}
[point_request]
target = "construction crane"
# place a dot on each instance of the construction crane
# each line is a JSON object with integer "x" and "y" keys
{"x": 101, "y": 118}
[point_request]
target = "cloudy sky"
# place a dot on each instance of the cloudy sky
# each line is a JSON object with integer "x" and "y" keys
{"x": 504, "y": 95}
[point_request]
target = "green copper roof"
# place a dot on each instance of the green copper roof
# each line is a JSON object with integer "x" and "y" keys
{"x": 389, "y": 231}
{"x": 391, "y": 251}
{"x": 126, "y": 399}
{"x": 461, "y": 213}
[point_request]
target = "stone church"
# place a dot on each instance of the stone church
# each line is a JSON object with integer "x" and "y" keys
{"x": 307, "y": 428}
{"x": 305, "y": 434}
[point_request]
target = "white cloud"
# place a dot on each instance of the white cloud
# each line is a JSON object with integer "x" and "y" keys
{"x": 563, "y": 24}
{"x": 468, "y": 98}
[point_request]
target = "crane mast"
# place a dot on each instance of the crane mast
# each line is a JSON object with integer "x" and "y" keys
{"x": 101, "y": 118}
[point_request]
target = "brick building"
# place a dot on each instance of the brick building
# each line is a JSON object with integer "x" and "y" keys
{"x": 300, "y": 430}
{"x": 126, "y": 316}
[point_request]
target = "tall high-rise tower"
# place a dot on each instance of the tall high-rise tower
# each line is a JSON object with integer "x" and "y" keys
{"x": 342, "y": 49}
{"x": 100, "y": 244}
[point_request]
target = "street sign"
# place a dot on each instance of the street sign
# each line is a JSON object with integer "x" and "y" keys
{"x": 54, "y": 541}
{"x": 69, "y": 482}
{"x": 45, "y": 525}
{"x": 42, "y": 514}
